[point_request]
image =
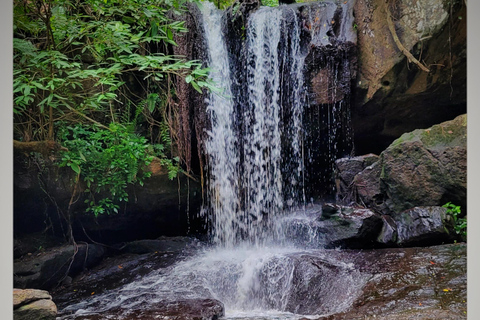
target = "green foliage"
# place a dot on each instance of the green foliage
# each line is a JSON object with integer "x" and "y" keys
{"x": 77, "y": 59}
{"x": 459, "y": 223}
{"x": 108, "y": 160}
{"x": 91, "y": 73}
{"x": 270, "y": 3}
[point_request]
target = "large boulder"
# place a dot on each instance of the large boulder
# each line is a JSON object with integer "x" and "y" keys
{"x": 31, "y": 304}
{"x": 392, "y": 94}
{"x": 422, "y": 225}
{"x": 426, "y": 167}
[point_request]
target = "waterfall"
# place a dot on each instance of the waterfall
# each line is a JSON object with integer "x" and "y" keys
{"x": 250, "y": 184}
{"x": 221, "y": 145}
{"x": 279, "y": 121}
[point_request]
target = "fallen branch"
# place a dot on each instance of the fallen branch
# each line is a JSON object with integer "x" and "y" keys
{"x": 391, "y": 27}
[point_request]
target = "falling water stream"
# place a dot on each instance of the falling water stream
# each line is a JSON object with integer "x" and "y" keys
{"x": 256, "y": 180}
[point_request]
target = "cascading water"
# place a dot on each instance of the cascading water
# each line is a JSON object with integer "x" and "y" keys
{"x": 221, "y": 147}
{"x": 265, "y": 129}
{"x": 245, "y": 196}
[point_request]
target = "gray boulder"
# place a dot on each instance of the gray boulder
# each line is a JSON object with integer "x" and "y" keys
{"x": 31, "y": 304}
{"x": 425, "y": 225}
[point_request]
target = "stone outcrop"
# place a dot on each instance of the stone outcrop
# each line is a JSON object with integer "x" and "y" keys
{"x": 48, "y": 269}
{"x": 392, "y": 283}
{"x": 393, "y": 95}
{"x": 160, "y": 207}
{"x": 31, "y": 304}
{"x": 419, "y": 172}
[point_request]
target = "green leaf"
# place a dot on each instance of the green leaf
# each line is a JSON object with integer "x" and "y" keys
{"x": 75, "y": 167}
{"x": 196, "y": 87}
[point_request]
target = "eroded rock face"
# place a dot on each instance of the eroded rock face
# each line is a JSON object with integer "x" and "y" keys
{"x": 345, "y": 171}
{"x": 392, "y": 95}
{"x": 422, "y": 225}
{"x": 47, "y": 270}
{"x": 187, "y": 309}
{"x": 31, "y": 304}
{"x": 160, "y": 207}
{"x": 393, "y": 283}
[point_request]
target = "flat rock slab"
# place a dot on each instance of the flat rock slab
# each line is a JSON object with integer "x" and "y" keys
{"x": 22, "y": 297}
{"x": 188, "y": 309}
{"x": 411, "y": 283}
{"x": 31, "y": 304}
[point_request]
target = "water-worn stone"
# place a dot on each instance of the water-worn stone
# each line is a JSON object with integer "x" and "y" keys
{"x": 392, "y": 283}
{"x": 186, "y": 309}
{"x": 345, "y": 171}
{"x": 31, "y": 304}
{"x": 422, "y": 226}
{"x": 426, "y": 167}
{"x": 25, "y": 296}
{"x": 47, "y": 269}
{"x": 334, "y": 226}
{"x": 410, "y": 283}
{"x": 388, "y": 234}
{"x": 367, "y": 188}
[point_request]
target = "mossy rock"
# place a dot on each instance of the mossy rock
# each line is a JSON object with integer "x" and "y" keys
{"x": 426, "y": 167}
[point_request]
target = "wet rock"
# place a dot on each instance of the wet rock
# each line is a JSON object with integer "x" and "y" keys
{"x": 187, "y": 309}
{"x": 367, "y": 188}
{"x": 48, "y": 269}
{"x": 422, "y": 226}
{"x": 31, "y": 304}
{"x": 388, "y": 234}
{"x": 335, "y": 226}
{"x": 393, "y": 283}
{"x": 410, "y": 283}
{"x": 345, "y": 171}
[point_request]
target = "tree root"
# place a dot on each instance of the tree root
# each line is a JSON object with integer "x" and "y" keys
{"x": 391, "y": 27}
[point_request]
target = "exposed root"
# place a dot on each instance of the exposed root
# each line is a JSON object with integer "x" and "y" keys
{"x": 391, "y": 27}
